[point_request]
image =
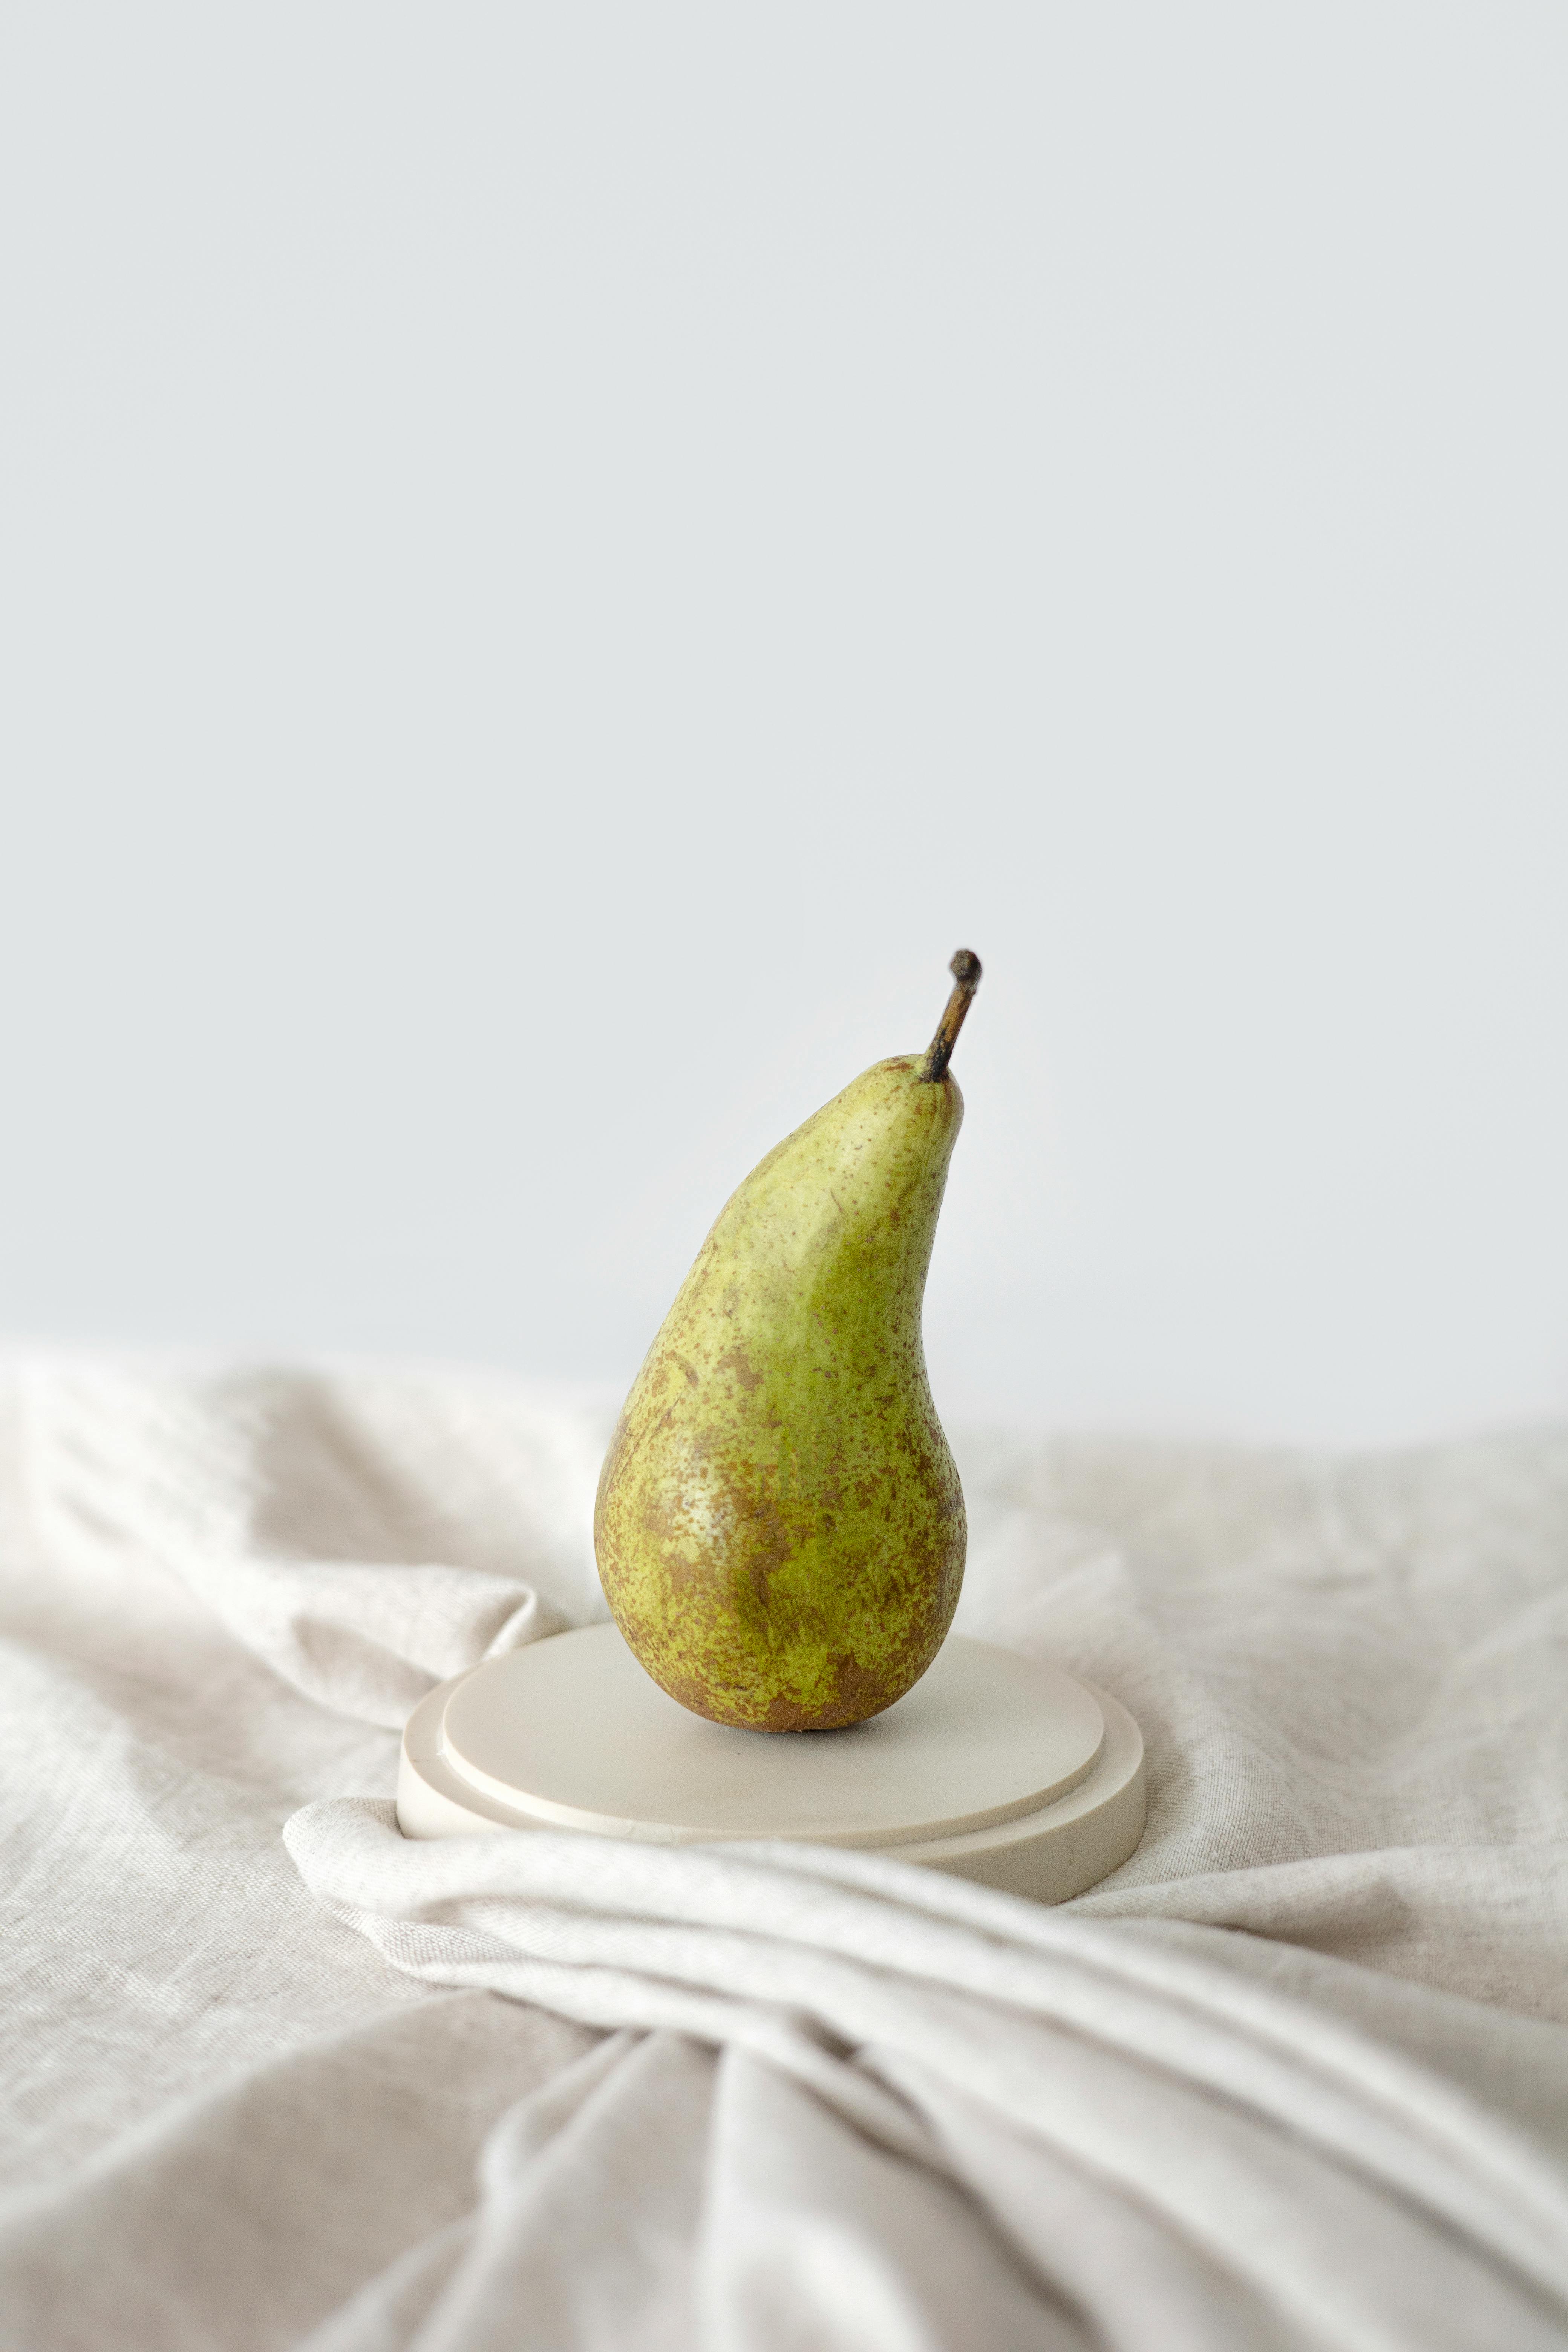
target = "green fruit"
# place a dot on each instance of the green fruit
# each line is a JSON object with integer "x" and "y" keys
{"x": 780, "y": 1527}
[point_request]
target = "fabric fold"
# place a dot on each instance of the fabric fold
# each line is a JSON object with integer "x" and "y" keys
{"x": 1345, "y": 2189}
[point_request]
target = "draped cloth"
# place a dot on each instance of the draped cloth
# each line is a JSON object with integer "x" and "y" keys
{"x": 1296, "y": 2076}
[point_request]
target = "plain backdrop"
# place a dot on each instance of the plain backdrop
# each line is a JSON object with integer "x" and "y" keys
{"x": 558, "y": 560}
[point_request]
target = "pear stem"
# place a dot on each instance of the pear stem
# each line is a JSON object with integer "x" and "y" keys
{"x": 966, "y": 970}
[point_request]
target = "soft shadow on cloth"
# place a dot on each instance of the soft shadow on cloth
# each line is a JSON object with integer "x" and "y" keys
{"x": 1297, "y": 2076}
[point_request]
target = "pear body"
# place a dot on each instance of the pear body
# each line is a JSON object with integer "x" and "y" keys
{"x": 780, "y": 1527}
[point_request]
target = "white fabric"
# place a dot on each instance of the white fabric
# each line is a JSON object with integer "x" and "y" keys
{"x": 1297, "y": 2076}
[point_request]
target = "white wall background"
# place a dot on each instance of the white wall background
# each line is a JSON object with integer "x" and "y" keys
{"x": 559, "y": 560}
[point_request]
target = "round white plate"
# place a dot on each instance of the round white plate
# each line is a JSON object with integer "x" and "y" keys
{"x": 996, "y": 1767}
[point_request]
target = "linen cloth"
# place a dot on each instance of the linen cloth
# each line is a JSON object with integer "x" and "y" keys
{"x": 1296, "y": 2076}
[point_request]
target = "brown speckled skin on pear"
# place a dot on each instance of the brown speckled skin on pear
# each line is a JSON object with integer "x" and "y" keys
{"x": 780, "y": 1526}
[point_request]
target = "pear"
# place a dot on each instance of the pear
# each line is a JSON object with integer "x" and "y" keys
{"x": 780, "y": 1528}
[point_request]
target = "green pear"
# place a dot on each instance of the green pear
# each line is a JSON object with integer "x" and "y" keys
{"x": 780, "y": 1528}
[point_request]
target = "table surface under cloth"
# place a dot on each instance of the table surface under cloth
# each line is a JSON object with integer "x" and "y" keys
{"x": 1297, "y": 2075}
